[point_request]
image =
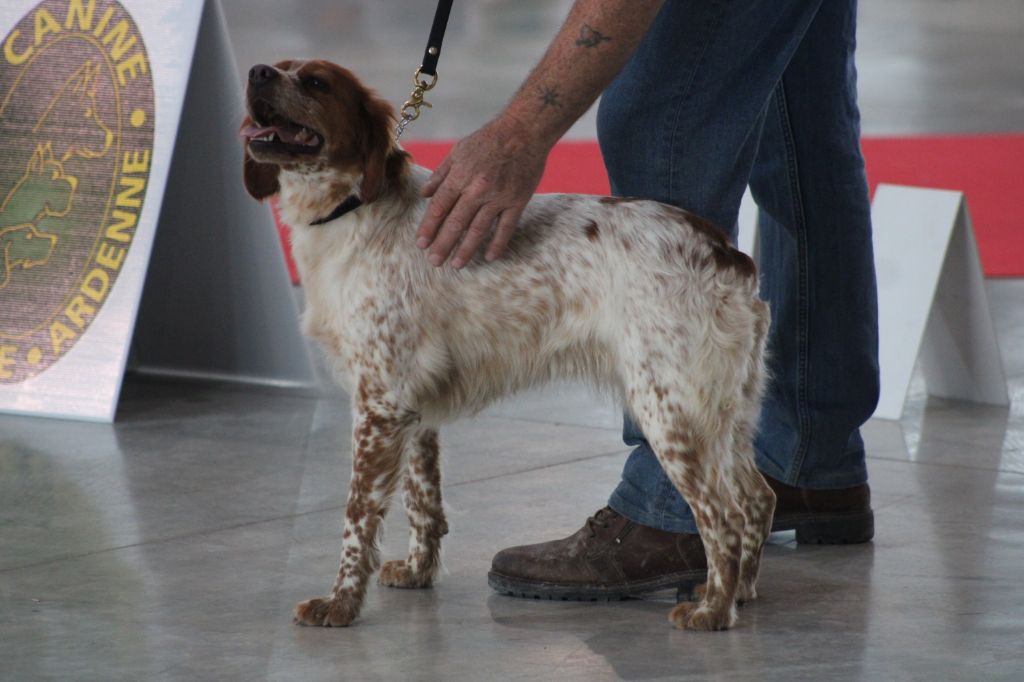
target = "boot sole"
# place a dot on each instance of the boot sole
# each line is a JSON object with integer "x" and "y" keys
{"x": 829, "y": 529}
{"x": 526, "y": 589}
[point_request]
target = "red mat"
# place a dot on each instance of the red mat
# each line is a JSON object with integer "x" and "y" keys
{"x": 989, "y": 169}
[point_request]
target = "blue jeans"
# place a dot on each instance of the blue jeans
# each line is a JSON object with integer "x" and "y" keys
{"x": 722, "y": 93}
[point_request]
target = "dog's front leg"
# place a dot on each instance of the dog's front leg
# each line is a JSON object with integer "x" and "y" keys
{"x": 379, "y": 440}
{"x": 427, "y": 524}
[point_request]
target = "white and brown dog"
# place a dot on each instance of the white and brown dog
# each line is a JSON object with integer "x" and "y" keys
{"x": 637, "y": 297}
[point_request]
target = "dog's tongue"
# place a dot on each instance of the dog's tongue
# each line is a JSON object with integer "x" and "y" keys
{"x": 285, "y": 133}
{"x": 257, "y": 131}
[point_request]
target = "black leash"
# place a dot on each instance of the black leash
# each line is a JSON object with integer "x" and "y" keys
{"x": 411, "y": 108}
{"x": 433, "y": 51}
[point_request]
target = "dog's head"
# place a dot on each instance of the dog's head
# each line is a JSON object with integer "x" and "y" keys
{"x": 310, "y": 116}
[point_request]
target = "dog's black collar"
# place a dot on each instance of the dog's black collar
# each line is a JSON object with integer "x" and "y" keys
{"x": 351, "y": 203}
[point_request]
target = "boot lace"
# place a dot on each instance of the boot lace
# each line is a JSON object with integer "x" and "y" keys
{"x": 599, "y": 520}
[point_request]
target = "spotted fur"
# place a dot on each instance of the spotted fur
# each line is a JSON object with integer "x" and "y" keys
{"x": 639, "y": 298}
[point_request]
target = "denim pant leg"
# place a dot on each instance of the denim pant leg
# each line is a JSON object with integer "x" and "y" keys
{"x": 817, "y": 265}
{"x": 683, "y": 124}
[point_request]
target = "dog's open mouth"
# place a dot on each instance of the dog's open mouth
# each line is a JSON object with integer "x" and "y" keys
{"x": 283, "y": 135}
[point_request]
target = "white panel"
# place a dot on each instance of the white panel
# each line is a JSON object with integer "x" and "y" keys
{"x": 913, "y": 253}
{"x": 960, "y": 355}
{"x": 746, "y": 239}
{"x": 84, "y": 382}
{"x": 218, "y": 301}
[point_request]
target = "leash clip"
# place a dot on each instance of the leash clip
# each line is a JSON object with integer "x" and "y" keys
{"x": 412, "y": 106}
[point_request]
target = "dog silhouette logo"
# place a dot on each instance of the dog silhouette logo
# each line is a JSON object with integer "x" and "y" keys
{"x": 42, "y": 192}
{"x": 77, "y": 119}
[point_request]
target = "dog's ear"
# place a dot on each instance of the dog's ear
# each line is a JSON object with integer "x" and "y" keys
{"x": 377, "y": 147}
{"x": 260, "y": 178}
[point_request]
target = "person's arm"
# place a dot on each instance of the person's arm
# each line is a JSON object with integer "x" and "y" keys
{"x": 490, "y": 175}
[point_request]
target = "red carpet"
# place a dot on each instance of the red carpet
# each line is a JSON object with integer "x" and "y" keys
{"x": 989, "y": 169}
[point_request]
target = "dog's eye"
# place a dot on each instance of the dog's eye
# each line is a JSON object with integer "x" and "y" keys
{"x": 314, "y": 83}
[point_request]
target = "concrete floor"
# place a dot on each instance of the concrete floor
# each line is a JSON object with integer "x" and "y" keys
{"x": 173, "y": 544}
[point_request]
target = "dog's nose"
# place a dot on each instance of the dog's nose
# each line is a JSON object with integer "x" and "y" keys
{"x": 262, "y": 74}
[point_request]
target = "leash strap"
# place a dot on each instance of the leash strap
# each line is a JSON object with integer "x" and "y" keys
{"x": 433, "y": 51}
{"x": 412, "y": 106}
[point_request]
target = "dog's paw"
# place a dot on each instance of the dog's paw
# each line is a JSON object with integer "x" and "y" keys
{"x": 398, "y": 574}
{"x": 681, "y": 613}
{"x": 328, "y": 613}
{"x": 745, "y": 593}
{"x": 698, "y": 616}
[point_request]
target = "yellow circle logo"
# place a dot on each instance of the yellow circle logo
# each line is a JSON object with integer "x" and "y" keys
{"x": 76, "y": 120}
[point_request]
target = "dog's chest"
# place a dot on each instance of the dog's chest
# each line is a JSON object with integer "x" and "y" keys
{"x": 349, "y": 306}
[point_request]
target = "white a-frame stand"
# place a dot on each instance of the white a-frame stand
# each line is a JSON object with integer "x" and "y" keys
{"x": 218, "y": 300}
{"x": 202, "y": 290}
{"x": 931, "y": 300}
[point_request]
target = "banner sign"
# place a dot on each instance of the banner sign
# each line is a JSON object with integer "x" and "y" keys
{"x": 92, "y": 95}
{"x": 76, "y": 117}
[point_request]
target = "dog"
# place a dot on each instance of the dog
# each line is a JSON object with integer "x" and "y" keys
{"x": 639, "y": 298}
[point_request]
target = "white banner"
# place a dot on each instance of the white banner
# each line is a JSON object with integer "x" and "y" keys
{"x": 92, "y": 94}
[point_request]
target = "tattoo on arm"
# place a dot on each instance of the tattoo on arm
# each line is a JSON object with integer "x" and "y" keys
{"x": 550, "y": 97}
{"x": 591, "y": 37}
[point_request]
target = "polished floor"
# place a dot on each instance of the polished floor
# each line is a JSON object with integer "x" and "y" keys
{"x": 173, "y": 544}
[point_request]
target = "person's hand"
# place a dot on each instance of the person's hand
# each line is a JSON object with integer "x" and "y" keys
{"x": 486, "y": 180}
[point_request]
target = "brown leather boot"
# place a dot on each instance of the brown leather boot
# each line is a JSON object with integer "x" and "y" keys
{"x": 824, "y": 517}
{"x": 609, "y": 558}
{"x": 612, "y": 557}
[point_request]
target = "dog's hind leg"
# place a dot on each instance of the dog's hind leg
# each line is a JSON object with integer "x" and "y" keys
{"x": 380, "y": 433}
{"x": 758, "y": 504}
{"x": 693, "y": 451}
{"x": 720, "y": 523}
{"x": 755, "y": 496}
{"x": 427, "y": 524}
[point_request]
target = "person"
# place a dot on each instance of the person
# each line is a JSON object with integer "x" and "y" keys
{"x": 699, "y": 100}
